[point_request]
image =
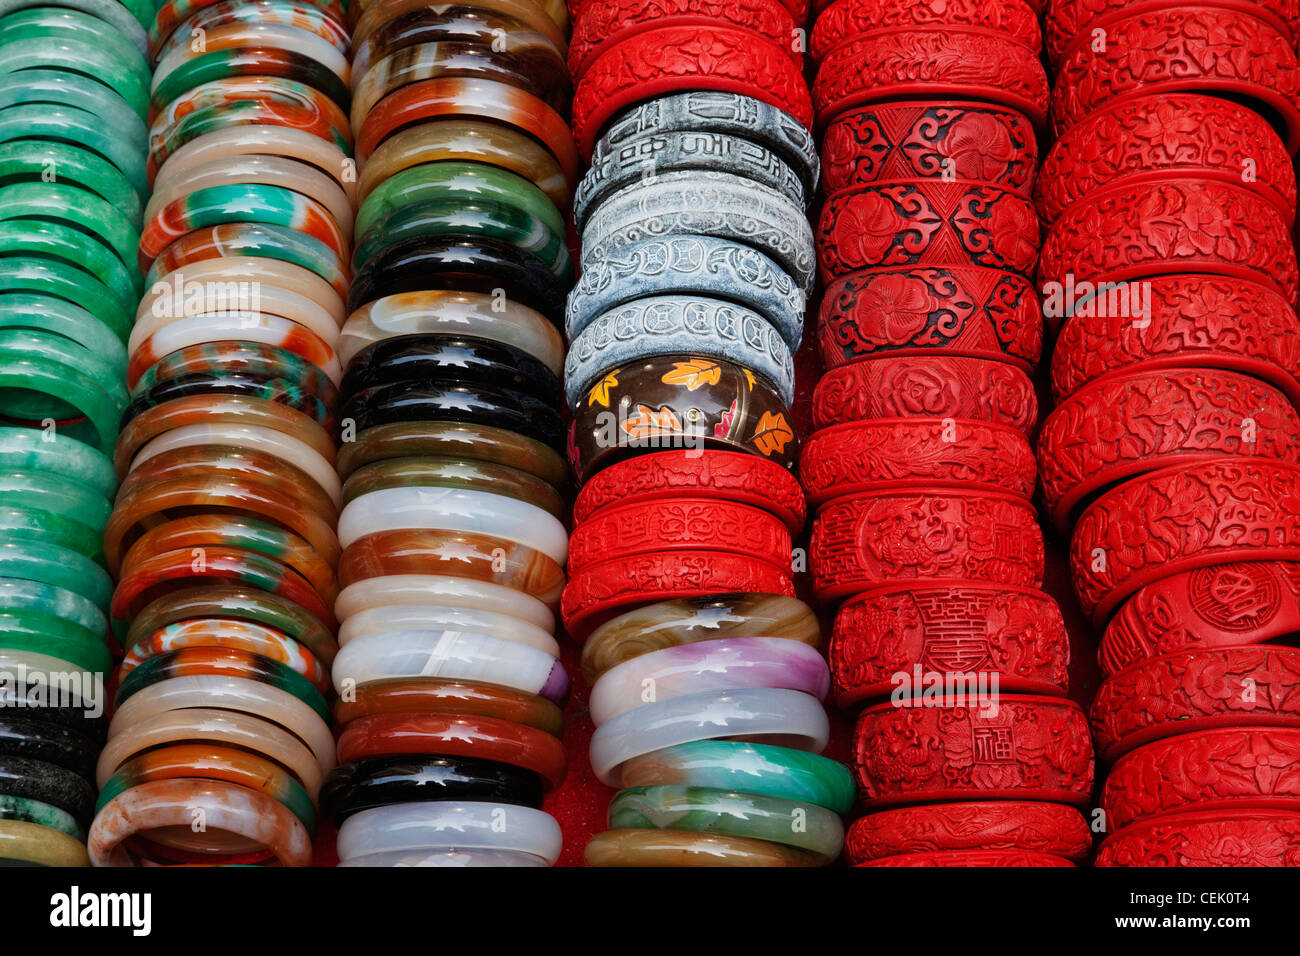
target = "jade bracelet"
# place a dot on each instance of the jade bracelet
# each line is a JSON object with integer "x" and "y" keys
{"x": 38, "y": 345}
{"x": 45, "y": 492}
{"x": 17, "y": 594}
{"x": 26, "y": 449}
{"x": 83, "y": 209}
{"x": 94, "y": 415}
{"x": 55, "y": 23}
{"x": 65, "y": 88}
{"x": 29, "y": 161}
{"x": 36, "y": 525}
{"x": 56, "y": 241}
{"x": 56, "y": 566}
{"x": 41, "y": 814}
{"x": 77, "y": 56}
{"x": 47, "y": 634}
{"x": 70, "y": 283}
{"x": 25, "y": 310}
{"x": 112, "y": 12}
{"x": 70, "y": 124}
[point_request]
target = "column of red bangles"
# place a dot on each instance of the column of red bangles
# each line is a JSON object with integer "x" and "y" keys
{"x": 452, "y": 528}
{"x": 967, "y": 750}
{"x": 222, "y": 539}
{"x": 1174, "y": 445}
{"x": 707, "y": 684}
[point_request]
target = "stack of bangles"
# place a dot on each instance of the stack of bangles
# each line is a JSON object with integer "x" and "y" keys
{"x": 925, "y": 542}
{"x": 1171, "y": 456}
{"x": 74, "y": 81}
{"x": 453, "y": 520}
{"x": 697, "y": 263}
{"x": 222, "y": 539}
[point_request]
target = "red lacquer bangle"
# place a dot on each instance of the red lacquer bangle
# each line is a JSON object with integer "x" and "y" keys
{"x": 973, "y": 312}
{"x": 959, "y": 62}
{"x": 980, "y": 825}
{"x": 845, "y": 19}
{"x": 924, "y": 535}
{"x": 949, "y": 628}
{"x": 1032, "y": 748}
{"x": 1255, "y": 768}
{"x": 1248, "y": 602}
{"x": 1253, "y": 686}
{"x": 1133, "y": 231}
{"x": 979, "y": 858}
{"x": 601, "y": 591}
{"x": 606, "y": 23}
{"x": 1196, "y": 321}
{"x": 864, "y": 456}
{"x": 926, "y": 222}
{"x": 941, "y": 387}
{"x": 452, "y": 735}
{"x": 677, "y": 59}
{"x": 1154, "y": 138}
{"x": 937, "y": 139}
{"x": 1181, "y": 49}
{"x": 679, "y": 524}
{"x": 1181, "y": 518}
{"x": 1207, "y": 838}
{"x": 1142, "y": 421}
{"x": 711, "y": 473}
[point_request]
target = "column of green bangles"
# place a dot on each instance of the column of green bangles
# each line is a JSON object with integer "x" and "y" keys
{"x": 222, "y": 537}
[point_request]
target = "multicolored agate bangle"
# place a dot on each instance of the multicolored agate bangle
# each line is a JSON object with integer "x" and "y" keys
{"x": 690, "y": 620}
{"x": 325, "y": 21}
{"x": 212, "y": 762}
{"x": 171, "y": 804}
{"x": 443, "y": 472}
{"x": 438, "y": 590}
{"x": 220, "y": 382}
{"x": 428, "y": 695}
{"x": 437, "y": 439}
{"x": 684, "y": 402}
{"x": 49, "y": 783}
{"x": 209, "y": 726}
{"x": 377, "y": 21}
{"x": 466, "y": 140}
{"x": 453, "y": 735}
{"x": 454, "y": 509}
{"x": 202, "y": 87}
{"x": 729, "y": 813}
{"x": 40, "y": 844}
{"x": 30, "y": 736}
{"x": 682, "y": 848}
{"x": 386, "y": 618}
{"x": 243, "y": 359}
{"x": 470, "y": 314}
{"x": 262, "y": 311}
{"x": 382, "y": 781}
{"x": 786, "y": 717}
{"x": 478, "y": 556}
{"x": 451, "y": 654}
{"x": 233, "y": 38}
{"x": 239, "y": 635}
{"x": 467, "y": 826}
{"x": 34, "y": 811}
{"x": 730, "y": 664}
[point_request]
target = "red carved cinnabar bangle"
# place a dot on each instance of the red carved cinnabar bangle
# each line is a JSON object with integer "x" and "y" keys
{"x": 925, "y": 222}
{"x": 981, "y": 313}
{"x": 675, "y": 59}
{"x": 942, "y": 387}
{"x": 1207, "y": 838}
{"x": 1142, "y": 421}
{"x": 938, "y": 139}
{"x": 1032, "y": 748}
{"x": 979, "y": 825}
{"x": 1228, "y": 768}
{"x": 980, "y": 858}
{"x": 1181, "y": 518}
{"x": 845, "y": 19}
{"x": 1253, "y": 686}
{"x": 679, "y": 524}
{"x": 1198, "y": 321}
{"x": 606, "y": 23}
{"x": 863, "y": 456}
{"x": 959, "y": 62}
{"x": 1154, "y": 138}
{"x": 863, "y": 542}
{"x": 1133, "y": 231}
{"x": 1248, "y": 602}
{"x": 948, "y": 628}
{"x": 729, "y": 475}
{"x": 599, "y": 592}
{"x": 1181, "y": 49}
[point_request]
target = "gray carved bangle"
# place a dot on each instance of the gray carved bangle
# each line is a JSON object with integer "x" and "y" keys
{"x": 664, "y": 325}
{"x": 651, "y": 155}
{"x": 689, "y": 265}
{"x": 719, "y": 112}
{"x": 695, "y": 203}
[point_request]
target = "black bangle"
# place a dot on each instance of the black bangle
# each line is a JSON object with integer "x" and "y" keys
{"x": 276, "y": 390}
{"x": 463, "y": 264}
{"x": 460, "y": 358}
{"x": 75, "y": 715}
{"x": 380, "y": 781}
{"x": 48, "y": 741}
{"x": 49, "y": 783}
{"x": 244, "y": 358}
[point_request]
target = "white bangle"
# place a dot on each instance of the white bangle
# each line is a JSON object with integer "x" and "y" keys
{"x": 433, "y": 825}
{"x": 417, "y": 617}
{"x": 439, "y": 590}
{"x": 446, "y": 857}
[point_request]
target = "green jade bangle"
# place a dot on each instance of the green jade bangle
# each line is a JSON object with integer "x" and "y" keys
{"x": 54, "y": 240}
{"x": 60, "y": 23}
{"x": 805, "y": 825}
{"x": 27, "y": 450}
{"x": 38, "y": 346}
{"x": 17, "y": 594}
{"x": 46, "y": 492}
{"x": 112, "y": 12}
{"x": 39, "y": 633}
{"x": 70, "y": 283}
{"x": 31, "y": 161}
{"x": 77, "y": 56}
{"x": 40, "y": 813}
{"x": 455, "y": 180}
{"x": 82, "y": 209}
{"x": 458, "y": 217}
{"x": 76, "y": 127}
{"x": 57, "y": 567}
{"x": 27, "y": 310}
{"x": 72, "y": 89}
{"x": 94, "y": 419}
{"x": 31, "y": 524}
{"x": 762, "y": 769}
